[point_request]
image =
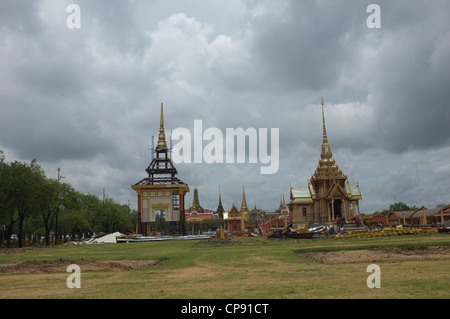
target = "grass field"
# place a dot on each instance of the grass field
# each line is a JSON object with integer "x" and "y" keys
{"x": 412, "y": 266}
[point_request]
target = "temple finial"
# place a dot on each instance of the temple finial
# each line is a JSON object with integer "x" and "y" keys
{"x": 326, "y": 151}
{"x": 161, "y": 122}
{"x": 162, "y": 136}
{"x": 323, "y": 121}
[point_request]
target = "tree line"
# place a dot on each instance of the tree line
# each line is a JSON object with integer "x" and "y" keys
{"x": 35, "y": 207}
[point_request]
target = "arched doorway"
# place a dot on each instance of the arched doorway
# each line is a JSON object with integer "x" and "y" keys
{"x": 337, "y": 208}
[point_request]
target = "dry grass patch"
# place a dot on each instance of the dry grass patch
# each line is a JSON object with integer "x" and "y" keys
{"x": 380, "y": 254}
{"x": 60, "y": 265}
{"x": 193, "y": 273}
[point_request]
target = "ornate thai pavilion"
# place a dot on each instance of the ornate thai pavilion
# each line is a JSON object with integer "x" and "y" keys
{"x": 328, "y": 195}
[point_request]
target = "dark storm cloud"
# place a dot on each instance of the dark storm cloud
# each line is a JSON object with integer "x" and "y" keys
{"x": 58, "y": 86}
{"x": 55, "y": 75}
{"x": 413, "y": 101}
{"x": 308, "y": 46}
{"x": 115, "y": 22}
{"x": 20, "y": 16}
{"x": 315, "y": 44}
{"x": 49, "y": 131}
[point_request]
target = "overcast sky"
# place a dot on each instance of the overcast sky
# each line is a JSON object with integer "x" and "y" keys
{"x": 87, "y": 99}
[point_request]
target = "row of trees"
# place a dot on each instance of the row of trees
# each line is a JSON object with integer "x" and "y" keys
{"x": 33, "y": 205}
{"x": 400, "y": 207}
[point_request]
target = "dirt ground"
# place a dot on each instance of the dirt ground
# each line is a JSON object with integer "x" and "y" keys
{"x": 60, "y": 265}
{"x": 380, "y": 254}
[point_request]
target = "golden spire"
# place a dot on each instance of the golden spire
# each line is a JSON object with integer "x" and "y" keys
{"x": 326, "y": 151}
{"x": 323, "y": 120}
{"x": 244, "y": 207}
{"x": 162, "y": 137}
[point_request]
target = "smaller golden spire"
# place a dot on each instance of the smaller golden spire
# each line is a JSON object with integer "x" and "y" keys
{"x": 244, "y": 207}
{"x": 162, "y": 136}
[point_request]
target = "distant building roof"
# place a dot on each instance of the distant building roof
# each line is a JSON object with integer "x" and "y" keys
{"x": 301, "y": 196}
{"x": 425, "y": 211}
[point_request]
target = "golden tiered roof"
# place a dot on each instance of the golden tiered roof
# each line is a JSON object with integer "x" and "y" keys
{"x": 234, "y": 213}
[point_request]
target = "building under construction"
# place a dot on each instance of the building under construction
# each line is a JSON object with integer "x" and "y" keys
{"x": 161, "y": 194}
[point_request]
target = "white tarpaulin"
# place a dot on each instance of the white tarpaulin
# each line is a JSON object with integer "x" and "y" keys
{"x": 106, "y": 239}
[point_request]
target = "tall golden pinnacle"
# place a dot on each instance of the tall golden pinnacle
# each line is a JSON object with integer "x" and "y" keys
{"x": 326, "y": 151}
{"x": 323, "y": 120}
{"x": 162, "y": 136}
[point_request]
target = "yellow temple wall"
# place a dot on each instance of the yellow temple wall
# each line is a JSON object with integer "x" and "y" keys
{"x": 155, "y": 200}
{"x": 302, "y": 213}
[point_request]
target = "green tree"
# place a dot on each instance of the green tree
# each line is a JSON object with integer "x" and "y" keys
{"x": 25, "y": 191}
{"x": 8, "y": 215}
{"x": 399, "y": 207}
{"x": 78, "y": 213}
{"x": 52, "y": 195}
{"x": 48, "y": 205}
{"x": 133, "y": 219}
{"x": 114, "y": 217}
{"x": 75, "y": 222}
{"x": 212, "y": 224}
